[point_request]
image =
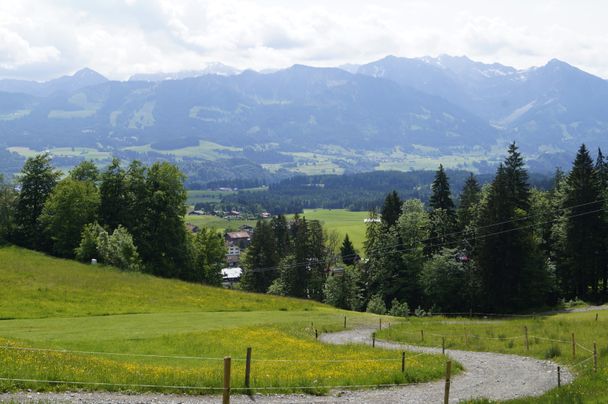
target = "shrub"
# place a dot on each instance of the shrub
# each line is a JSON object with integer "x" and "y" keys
{"x": 340, "y": 290}
{"x": 119, "y": 250}
{"x": 419, "y": 312}
{"x": 552, "y": 352}
{"x": 116, "y": 249}
{"x": 87, "y": 249}
{"x": 376, "y": 305}
{"x": 399, "y": 309}
{"x": 277, "y": 287}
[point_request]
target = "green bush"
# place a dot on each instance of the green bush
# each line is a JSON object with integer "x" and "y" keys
{"x": 399, "y": 309}
{"x": 87, "y": 249}
{"x": 116, "y": 249}
{"x": 376, "y": 305}
{"x": 552, "y": 352}
{"x": 119, "y": 250}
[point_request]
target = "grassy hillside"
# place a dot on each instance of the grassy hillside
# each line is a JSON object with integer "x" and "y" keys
{"x": 71, "y": 322}
{"x": 42, "y": 286}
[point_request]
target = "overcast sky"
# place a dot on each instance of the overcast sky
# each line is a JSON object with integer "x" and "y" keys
{"x": 42, "y": 39}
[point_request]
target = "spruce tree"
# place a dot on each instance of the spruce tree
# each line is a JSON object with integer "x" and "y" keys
{"x": 441, "y": 196}
{"x": 443, "y": 216}
{"x": 517, "y": 179}
{"x": 317, "y": 261}
{"x": 281, "y": 234}
{"x": 601, "y": 169}
{"x": 584, "y": 229}
{"x": 391, "y": 210}
{"x": 260, "y": 260}
{"x": 513, "y": 272}
{"x": 469, "y": 199}
{"x": 347, "y": 251}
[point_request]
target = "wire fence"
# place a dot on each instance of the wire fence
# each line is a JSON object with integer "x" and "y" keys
{"x": 292, "y": 388}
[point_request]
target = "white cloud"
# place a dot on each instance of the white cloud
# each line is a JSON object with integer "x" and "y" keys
{"x": 16, "y": 52}
{"x": 41, "y": 39}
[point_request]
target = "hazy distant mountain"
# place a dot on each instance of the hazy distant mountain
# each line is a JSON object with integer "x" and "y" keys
{"x": 445, "y": 104}
{"x": 554, "y": 106}
{"x": 298, "y": 108}
{"x": 212, "y": 68}
{"x": 82, "y": 78}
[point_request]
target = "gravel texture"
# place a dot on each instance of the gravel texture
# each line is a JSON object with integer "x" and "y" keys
{"x": 490, "y": 375}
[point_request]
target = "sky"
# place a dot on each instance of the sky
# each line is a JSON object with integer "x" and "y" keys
{"x": 43, "y": 39}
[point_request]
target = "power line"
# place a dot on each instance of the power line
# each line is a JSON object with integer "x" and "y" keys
{"x": 468, "y": 231}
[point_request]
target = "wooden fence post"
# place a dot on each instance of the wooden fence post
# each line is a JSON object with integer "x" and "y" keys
{"x": 373, "y": 340}
{"x": 596, "y": 314}
{"x": 226, "y": 396}
{"x": 248, "y": 370}
{"x": 422, "y": 335}
{"x": 443, "y": 345}
{"x": 344, "y": 321}
{"x": 594, "y": 356}
{"x": 526, "y": 332}
{"x": 559, "y": 377}
{"x": 448, "y": 371}
{"x": 402, "y": 362}
{"x": 316, "y": 334}
{"x": 380, "y": 328}
{"x": 573, "y": 347}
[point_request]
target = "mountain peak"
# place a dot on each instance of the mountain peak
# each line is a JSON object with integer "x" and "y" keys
{"x": 557, "y": 63}
{"x": 88, "y": 73}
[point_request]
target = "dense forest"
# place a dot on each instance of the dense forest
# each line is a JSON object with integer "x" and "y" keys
{"x": 357, "y": 192}
{"x": 506, "y": 247}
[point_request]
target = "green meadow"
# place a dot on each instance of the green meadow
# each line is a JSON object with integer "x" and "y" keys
{"x": 101, "y": 328}
{"x": 340, "y": 220}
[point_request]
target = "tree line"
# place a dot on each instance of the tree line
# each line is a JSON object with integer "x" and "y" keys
{"x": 505, "y": 247}
{"x": 131, "y": 217}
{"x": 357, "y": 192}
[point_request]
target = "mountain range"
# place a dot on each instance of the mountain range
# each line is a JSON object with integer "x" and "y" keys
{"x": 448, "y": 105}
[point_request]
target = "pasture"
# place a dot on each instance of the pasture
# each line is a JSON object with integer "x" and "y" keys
{"x": 94, "y": 327}
{"x": 340, "y": 220}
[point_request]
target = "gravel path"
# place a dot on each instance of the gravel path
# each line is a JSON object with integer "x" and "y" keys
{"x": 490, "y": 375}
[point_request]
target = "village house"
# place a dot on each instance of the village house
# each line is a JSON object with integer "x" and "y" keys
{"x": 238, "y": 238}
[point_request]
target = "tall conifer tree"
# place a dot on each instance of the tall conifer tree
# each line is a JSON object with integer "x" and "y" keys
{"x": 469, "y": 198}
{"x": 512, "y": 269}
{"x": 443, "y": 215}
{"x": 347, "y": 251}
{"x": 391, "y": 210}
{"x": 584, "y": 228}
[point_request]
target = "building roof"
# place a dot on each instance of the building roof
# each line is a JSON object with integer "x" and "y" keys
{"x": 232, "y": 273}
{"x": 237, "y": 234}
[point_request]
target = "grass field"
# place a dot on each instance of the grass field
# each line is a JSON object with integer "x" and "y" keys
{"x": 84, "y": 152}
{"x": 341, "y": 220}
{"x": 67, "y": 321}
{"x": 205, "y": 150}
{"x": 205, "y": 195}
{"x": 549, "y": 337}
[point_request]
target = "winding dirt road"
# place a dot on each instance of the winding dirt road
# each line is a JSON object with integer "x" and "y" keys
{"x": 490, "y": 375}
